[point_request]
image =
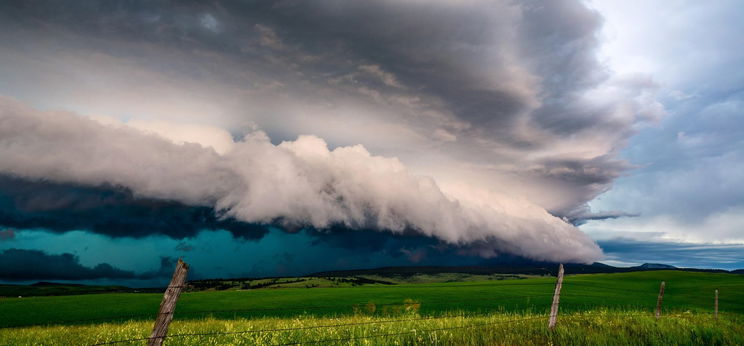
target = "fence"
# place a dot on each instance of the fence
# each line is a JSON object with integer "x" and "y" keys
{"x": 167, "y": 309}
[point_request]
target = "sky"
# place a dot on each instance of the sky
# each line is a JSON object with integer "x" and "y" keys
{"x": 264, "y": 138}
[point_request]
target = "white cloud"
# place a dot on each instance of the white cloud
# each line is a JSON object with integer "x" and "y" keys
{"x": 721, "y": 227}
{"x": 208, "y": 136}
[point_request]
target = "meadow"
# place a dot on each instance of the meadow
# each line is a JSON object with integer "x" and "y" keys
{"x": 595, "y": 309}
{"x": 596, "y": 327}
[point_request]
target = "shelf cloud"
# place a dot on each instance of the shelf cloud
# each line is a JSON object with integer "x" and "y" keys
{"x": 486, "y": 125}
{"x": 295, "y": 184}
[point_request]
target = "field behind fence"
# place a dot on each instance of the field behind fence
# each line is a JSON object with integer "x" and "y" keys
{"x": 416, "y": 313}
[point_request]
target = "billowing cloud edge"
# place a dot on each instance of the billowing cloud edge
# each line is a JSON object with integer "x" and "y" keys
{"x": 294, "y": 184}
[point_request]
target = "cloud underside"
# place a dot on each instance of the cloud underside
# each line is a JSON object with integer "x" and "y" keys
{"x": 176, "y": 190}
{"x": 25, "y": 265}
{"x": 504, "y": 118}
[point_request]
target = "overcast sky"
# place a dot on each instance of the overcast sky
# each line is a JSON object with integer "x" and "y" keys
{"x": 280, "y": 138}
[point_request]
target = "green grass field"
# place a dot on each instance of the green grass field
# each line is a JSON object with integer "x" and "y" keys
{"x": 598, "y": 327}
{"x": 589, "y": 302}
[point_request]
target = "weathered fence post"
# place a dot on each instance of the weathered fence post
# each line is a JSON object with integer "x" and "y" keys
{"x": 168, "y": 305}
{"x": 658, "y": 301}
{"x": 715, "y": 307}
{"x": 556, "y": 298}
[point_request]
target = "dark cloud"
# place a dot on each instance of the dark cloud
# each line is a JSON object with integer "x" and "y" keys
{"x": 24, "y": 265}
{"x": 368, "y": 241}
{"x": 411, "y": 248}
{"x": 167, "y": 265}
{"x": 107, "y": 210}
{"x": 580, "y": 218}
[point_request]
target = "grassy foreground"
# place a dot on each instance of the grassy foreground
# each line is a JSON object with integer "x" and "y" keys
{"x": 597, "y": 327}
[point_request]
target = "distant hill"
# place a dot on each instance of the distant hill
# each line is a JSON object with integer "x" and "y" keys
{"x": 515, "y": 269}
{"x": 537, "y": 268}
{"x": 656, "y": 266}
{"x": 43, "y": 288}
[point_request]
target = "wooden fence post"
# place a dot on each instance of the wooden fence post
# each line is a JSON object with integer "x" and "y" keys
{"x": 556, "y": 298}
{"x": 658, "y": 301}
{"x": 168, "y": 304}
{"x": 715, "y": 307}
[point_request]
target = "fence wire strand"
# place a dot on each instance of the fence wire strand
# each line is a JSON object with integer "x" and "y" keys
{"x": 359, "y": 306}
{"x": 578, "y": 315}
{"x": 477, "y": 325}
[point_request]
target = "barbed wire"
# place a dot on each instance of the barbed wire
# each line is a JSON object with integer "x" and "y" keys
{"x": 479, "y": 325}
{"x": 476, "y": 325}
{"x": 567, "y": 285}
{"x": 359, "y": 305}
{"x": 293, "y": 329}
{"x": 356, "y": 307}
{"x": 577, "y": 315}
{"x": 413, "y": 331}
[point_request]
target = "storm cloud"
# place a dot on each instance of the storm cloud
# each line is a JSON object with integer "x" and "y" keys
{"x": 108, "y": 210}
{"x": 24, "y": 265}
{"x": 483, "y": 124}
